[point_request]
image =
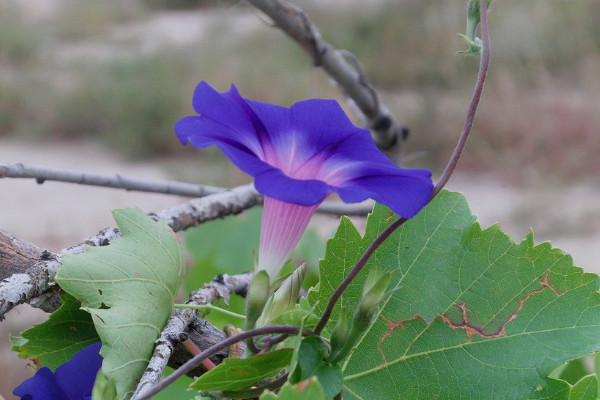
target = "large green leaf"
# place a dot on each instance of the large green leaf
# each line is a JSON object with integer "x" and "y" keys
{"x": 53, "y": 342}
{"x": 238, "y": 373}
{"x": 129, "y": 288}
{"x": 477, "y": 316}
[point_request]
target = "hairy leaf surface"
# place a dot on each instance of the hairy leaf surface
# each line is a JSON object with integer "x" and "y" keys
{"x": 129, "y": 289}
{"x": 477, "y": 316}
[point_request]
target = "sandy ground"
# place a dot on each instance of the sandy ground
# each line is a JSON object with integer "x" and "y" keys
{"x": 57, "y": 215}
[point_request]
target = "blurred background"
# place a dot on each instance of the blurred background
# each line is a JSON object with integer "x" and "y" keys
{"x": 97, "y": 86}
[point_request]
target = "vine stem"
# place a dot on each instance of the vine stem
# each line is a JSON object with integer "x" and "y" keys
{"x": 450, "y": 167}
{"x": 193, "y": 362}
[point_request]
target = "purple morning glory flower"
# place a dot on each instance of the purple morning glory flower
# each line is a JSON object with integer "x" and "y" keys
{"x": 298, "y": 156}
{"x": 74, "y": 380}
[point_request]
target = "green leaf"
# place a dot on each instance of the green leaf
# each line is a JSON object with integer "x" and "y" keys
{"x": 238, "y": 373}
{"x": 311, "y": 355}
{"x": 331, "y": 378}
{"x": 129, "y": 288}
{"x": 477, "y": 316}
{"x": 557, "y": 389}
{"x": 585, "y": 389}
{"x": 310, "y": 389}
{"x": 311, "y": 352}
{"x": 53, "y": 342}
{"x": 340, "y": 255}
{"x": 571, "y": 371}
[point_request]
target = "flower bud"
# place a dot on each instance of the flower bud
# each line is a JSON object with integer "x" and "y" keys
{"x": 257, "y": 296}
{"x": 473, "y": 10}
{"x": 286, "y": 297}
{"x": 340, "y": 333}
{"x": 374, "y": 291}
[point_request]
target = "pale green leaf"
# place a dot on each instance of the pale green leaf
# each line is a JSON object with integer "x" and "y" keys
{"x": 477, "y": 316}
{"x": 129, "y": 288}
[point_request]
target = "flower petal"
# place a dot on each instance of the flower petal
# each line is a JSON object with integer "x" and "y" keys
{"x": 404, "y": 193}
{"x": 222, "y": 108}
{"x": 276, "y": 184}
{"x": 323, "y": 123}
{"x": 202, "y": 132}
{"x": 41, "y": 386}
{"x": 301, "y": 133}
{"x": 282, "y": 226}
{"x": 77, "y": 376}
{"x": 221, "y": 118}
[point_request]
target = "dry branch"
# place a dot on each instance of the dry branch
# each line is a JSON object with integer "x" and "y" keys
{"x": 116, "y": 181}
{"x": 169, "y": 349}
{"x": 342, "y": 66}
{"x": 42, "y": 174}
{"x": 36, "y": 284}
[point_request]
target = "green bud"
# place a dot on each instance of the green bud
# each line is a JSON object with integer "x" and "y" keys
{"x": 473, "y": 19}
{"x": 286, "y": 296}
{"x": 256, "y": 298}
{"x": 374, "y": 291}
{"x": 340, "y": 333}
{"x": 473, "y": 9}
